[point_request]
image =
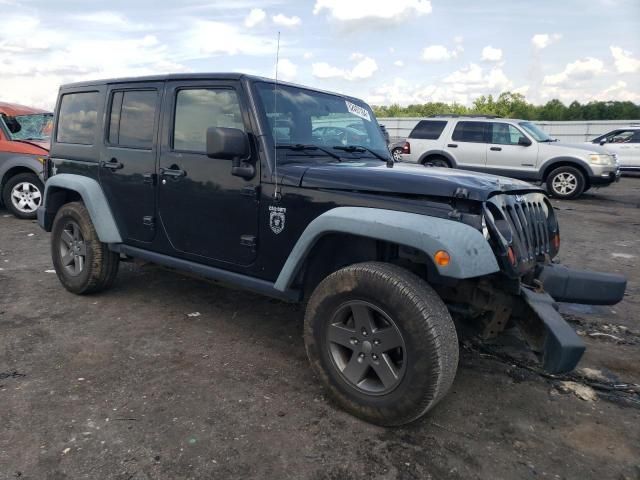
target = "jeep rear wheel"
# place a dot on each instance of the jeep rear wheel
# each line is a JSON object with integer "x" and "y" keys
{"x": 382, "y": 341}
{"x": 83, "y": 264}
{"x": 22, "y": 195}
{"x": 566, "y": 182}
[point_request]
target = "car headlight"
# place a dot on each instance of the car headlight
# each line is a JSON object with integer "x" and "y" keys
{"x": 600, "y": 159}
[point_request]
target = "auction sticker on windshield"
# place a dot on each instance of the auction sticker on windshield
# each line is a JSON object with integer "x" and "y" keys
{"x": 358, "y": 111}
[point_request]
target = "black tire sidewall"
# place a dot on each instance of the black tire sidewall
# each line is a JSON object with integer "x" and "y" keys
{"x": 437, "y": 162}
{"x": 79, "y": 283}
{"x": 421, "y": 375}
{"x": 12, "y": 182}
{"x": 581, "y": 182}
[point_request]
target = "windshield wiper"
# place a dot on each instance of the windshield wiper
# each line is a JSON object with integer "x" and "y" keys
{"x": 299, "y": 147}
{"x": 360, "y": 148}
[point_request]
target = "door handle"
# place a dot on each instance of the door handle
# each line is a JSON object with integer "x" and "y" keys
{"x": 452, "y": 145}
{"x": 173, "y": 171}
{"x": 496, "y": 149}
{"x": 112, "y": 164}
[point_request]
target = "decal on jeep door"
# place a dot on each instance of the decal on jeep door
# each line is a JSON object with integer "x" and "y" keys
{"x": 277, "y": 218}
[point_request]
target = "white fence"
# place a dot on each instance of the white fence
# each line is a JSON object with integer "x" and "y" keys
{"x": 573, "y": 131}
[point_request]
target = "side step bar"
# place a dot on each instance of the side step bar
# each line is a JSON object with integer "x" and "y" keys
{"x": 233, "y": 279}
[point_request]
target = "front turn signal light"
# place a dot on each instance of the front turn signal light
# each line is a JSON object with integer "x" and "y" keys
{"x": 442, "y": 258}
{"x": 511, "y": 256}
{"x": 556, "y": 241}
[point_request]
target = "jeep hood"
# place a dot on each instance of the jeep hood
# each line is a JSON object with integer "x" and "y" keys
{"x": 405, "y": 180}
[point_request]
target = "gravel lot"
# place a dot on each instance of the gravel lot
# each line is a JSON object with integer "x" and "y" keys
{"x": 128, "y": 385}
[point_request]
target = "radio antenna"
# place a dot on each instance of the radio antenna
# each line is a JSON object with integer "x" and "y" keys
{"x": 276, "y": 193}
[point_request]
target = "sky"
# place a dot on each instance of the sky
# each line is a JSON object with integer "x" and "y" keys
{"x": 393, "y": 51}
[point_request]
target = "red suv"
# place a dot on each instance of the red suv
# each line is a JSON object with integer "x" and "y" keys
{"x": 24, "y": 144}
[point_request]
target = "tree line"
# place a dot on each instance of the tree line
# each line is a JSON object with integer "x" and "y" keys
{"x": 515, "y": 105}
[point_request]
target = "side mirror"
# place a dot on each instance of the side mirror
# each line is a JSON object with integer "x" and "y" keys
{"x": 231, "y": 144}
{"x": 603, "y": 141}
{"x": 227, "y": 143}
{"x": 524, "y": 142}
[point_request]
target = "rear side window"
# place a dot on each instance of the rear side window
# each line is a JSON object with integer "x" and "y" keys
{"x": 199, "y": 109}
{"x": 428, "y": 129}
{"x": 132, "y": 118}
{"x": 78, "y": 117}
{"x": 470, "y": 132}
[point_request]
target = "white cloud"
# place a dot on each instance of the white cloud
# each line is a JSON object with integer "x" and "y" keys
{"x": 365, "y": 68}
{"x": 307, "y": 55}
{"x": 217, "y": 38}
{"x": 577, "y": 71}
{"x": 473, "y": 80}
{"x": 287, "y": 70}
{"x": 624, "y": 61}
{"x": 376, "y": 11}
{"x": 543, "y": 40}
{"x": 618, "y": 91}
{"x": 398, "y": 63}
{"x": 324, "y": 70}
{"x": 490, "y": 54}
{"x": 255, "y": 17}
{"x": 285, "y": 21}
{"x": 440, "y": 53}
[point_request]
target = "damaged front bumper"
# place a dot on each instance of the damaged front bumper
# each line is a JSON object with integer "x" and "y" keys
{"x": 548, "y": 334}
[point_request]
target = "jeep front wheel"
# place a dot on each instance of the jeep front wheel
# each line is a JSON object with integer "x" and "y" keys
{"x": 382, "y": 341}
{"x": 22, "y": 195}
{"x": 83, "y": 263}
{"x": 566, "y": 183}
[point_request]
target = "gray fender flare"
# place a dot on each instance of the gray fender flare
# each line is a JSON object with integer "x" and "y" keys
{"x": 93, "y": 198}
{"x": 440, "y": 153}
{"x": 549, "y": 165}
{"x": 13, "y": 160}
{"x": 471, "y": 255}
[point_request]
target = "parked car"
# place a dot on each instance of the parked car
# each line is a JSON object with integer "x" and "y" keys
{"x": 514, "y": 148}
{"x": 188, "y": 171}
{"x": 24, "y": 144}
{"x": 625, "y": 144}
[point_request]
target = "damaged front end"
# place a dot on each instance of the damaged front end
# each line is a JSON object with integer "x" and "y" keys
{"x": 524, "y": 234}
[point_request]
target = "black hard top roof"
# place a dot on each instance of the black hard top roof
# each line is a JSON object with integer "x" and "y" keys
{"x": 195, "y": 76}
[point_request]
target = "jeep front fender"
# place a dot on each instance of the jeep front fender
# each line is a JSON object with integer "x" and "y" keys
{"x": 93, "y": 199}
{"x": 471, "y": 255}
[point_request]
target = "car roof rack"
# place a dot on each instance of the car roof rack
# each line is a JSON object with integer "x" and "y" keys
{"x": 457, "y": 115}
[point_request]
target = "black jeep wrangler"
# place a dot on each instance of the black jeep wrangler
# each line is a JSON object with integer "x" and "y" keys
{"x": 290, "y": 192}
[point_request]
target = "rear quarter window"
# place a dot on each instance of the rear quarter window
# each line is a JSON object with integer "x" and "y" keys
{"x": 428, "y": 129}
{"x": 475, "y": 132}
{"x": 78, "y": 118}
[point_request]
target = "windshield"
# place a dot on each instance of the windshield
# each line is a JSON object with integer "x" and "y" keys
{"x": 36, "y": 126}
{"x": 298, "y": 116}
{"x": 536, "y": 132}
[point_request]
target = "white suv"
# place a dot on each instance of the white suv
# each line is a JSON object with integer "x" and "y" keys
{"x": 625, "y": 144}
{"x": 512, "y": 148}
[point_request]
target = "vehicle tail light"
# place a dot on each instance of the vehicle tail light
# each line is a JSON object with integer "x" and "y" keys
{"x": 556, "y": 242}
{"x": 406, "y": 148}
{"x": 512, "y": 256}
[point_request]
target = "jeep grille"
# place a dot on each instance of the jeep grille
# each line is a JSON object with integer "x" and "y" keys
{"x": 529, "y": 218}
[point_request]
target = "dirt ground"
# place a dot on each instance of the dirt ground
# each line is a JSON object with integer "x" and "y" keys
{"x": 127, "y": 385}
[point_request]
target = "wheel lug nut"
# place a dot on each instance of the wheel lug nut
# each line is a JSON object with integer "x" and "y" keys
{"x": 376, "y": 342}
{"x": 364, "y": 332}
{"x": 374, "y": 356}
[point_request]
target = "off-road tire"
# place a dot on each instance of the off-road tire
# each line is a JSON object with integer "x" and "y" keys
{"x": 31, "y": 178}
{"x": 100, "y": 265}
{"x": 424, "y": 322}
{"x": 568, "y": 172}
{"x": 437, "y": 162}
